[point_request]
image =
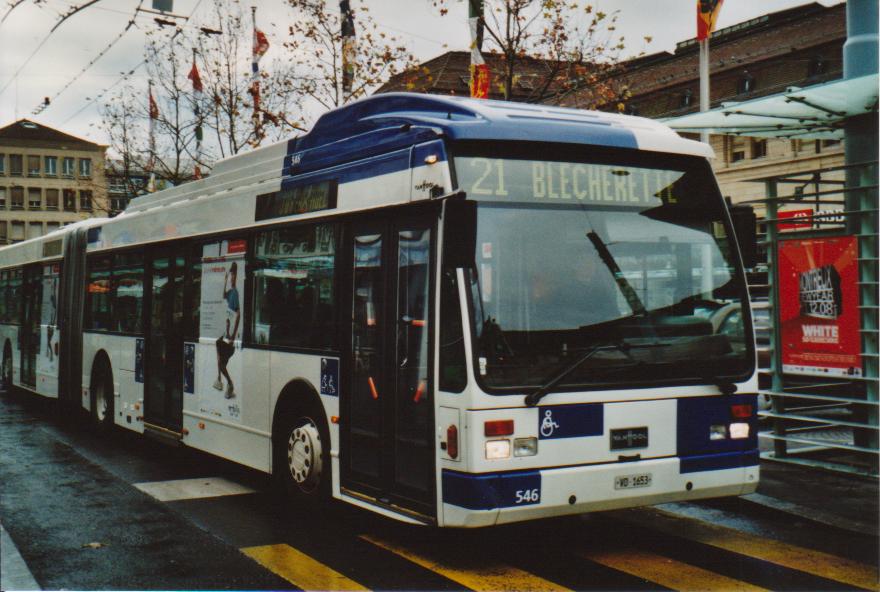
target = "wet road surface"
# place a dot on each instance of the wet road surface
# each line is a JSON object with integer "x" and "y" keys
{"x": 119, "y": 512}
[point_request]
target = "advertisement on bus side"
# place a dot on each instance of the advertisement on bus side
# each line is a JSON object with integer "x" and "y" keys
{"x": 47, "y": 356}
{"x": 219, "y": 360}
{"x": 819, "y": 315}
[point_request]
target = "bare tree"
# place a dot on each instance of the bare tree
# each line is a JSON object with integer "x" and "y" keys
{"x": 551, "y": 51}
{"x": 315, "y": 43}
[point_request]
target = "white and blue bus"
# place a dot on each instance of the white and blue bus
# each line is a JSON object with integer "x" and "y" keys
{"x": 447, "y": 311}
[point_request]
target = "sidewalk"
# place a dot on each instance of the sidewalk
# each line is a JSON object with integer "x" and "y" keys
{"x": 14, "y": 572}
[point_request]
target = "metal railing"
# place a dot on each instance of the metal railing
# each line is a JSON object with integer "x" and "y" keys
{"x": 822, "y": 421}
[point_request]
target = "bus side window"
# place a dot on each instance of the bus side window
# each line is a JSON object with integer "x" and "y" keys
{"x": 128, "y": 291}
{"x": 453, "y": 369}
{"x": 99, "y": 294}
{"x": 3, "y": 282}
{"x": 194, "y": 269}
{"x": 294, "y": 287}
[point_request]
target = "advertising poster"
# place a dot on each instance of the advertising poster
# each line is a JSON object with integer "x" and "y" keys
{"x": 218, "y": 367}
{"x": 47, "y": 358}
{"x": 819, "y": 315}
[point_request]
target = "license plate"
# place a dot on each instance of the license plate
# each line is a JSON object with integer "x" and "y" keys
{"x": 632, "y": 481}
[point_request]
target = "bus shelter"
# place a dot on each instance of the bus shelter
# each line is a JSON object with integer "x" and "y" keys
{"x": 820, "y": 235}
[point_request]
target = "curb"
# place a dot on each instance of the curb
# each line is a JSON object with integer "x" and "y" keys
{"x": 14, "y": 573}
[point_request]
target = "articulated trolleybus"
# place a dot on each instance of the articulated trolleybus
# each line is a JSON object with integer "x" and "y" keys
{"x": 447, "y": 311}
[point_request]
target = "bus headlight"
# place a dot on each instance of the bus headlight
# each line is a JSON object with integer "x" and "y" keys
{"x": 525, "y": 446}
{"x": 717, "y": 432}
{"x": 739, "y": 430}
{"x": 496, "y": 449}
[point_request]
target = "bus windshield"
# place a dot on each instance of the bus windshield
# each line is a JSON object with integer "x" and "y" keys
{"x": 628, "y": 259}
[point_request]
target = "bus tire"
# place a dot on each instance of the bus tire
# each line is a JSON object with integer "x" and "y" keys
{"x": 7, "y": 369}
{"x": 101, "y": 391}
{"x": 301, "y": 456}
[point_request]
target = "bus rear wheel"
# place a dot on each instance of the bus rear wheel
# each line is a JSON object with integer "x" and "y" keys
{"x": 302, "y": 457}
{"x": 102, "y": 399}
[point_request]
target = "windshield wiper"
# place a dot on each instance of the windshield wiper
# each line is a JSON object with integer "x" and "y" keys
{"x": 542, "y": 391}
{"x": 539, "y": 393}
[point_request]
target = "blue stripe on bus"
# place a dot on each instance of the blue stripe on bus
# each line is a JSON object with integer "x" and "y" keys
{"x": 570, "y": 421}
{"x": 716, "y": 462}
{"x": 696, "y": 414}
{"x": 491, "y": 491}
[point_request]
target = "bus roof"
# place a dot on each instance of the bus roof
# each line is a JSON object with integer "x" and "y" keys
{"x": 33, "y": 250}
{"x": 473, "y": 119}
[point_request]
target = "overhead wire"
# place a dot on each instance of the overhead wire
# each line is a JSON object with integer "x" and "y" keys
{"x": 43, "y": 106}
{"x": 90, "y": 101}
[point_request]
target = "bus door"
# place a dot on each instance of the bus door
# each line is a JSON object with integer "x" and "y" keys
{"x": 387, "y": 440}
{"x": 163, "y": 371}
{"x": 29, "y": 335}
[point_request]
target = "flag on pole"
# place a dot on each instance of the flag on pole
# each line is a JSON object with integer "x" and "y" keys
{"x": 261, "y": 45}
{"x": 154, "y": 116}
{"x": 197, "y": 108}
{"x": 348, "y": 47}
{"x": 707, "y": 16}
{"x": 479, "y": 83}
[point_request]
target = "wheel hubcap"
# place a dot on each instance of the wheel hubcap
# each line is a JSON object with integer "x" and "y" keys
{"x": 101, "y": 403}
{"x": 304, "y": 456}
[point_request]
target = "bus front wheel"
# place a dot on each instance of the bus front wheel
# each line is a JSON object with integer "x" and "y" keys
{"x": 7, "y": 370}
{"x": 301, "y": 457}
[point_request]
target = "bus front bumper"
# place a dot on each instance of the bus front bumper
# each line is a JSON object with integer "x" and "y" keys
{"x": 474, "y": 500}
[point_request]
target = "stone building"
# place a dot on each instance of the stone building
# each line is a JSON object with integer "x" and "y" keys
{"x": 797, "y": 47}
{"x": 47, "y": 179}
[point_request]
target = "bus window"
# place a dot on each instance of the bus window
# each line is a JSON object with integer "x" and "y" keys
{"x": 128, "y": 290}
{"x": 13, "y": 297}
{"x": 3, "y": 283}
{"x": 453, "y": 374}
{"x": 98, "y": 294}
{"x": 294, "y": 287}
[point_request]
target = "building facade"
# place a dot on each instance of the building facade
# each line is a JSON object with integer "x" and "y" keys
{"x": 47, "y": 179}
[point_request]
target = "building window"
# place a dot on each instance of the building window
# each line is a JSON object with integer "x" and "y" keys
{"x": 51, "y": 199}
{"x": 17, "y": 195}
{"x": 118, "y": 204}
{"x": 35, "y": 198}
{"x": 737, "y": 149}
{"x": 67, "y": 167}
{"x": 759, "y": 148}
{"x": 35, "y": 229}
{"x": 16, "y": 231}
{"x": 746, "y": 83}
{"x": 687, "y": 99}
{"x": 3, "y": 236}
{"x": 2, "y": 164}
{"x": 85, "y": 200}
{"x": 816, "y": 67}
{"x": 33, "y": 166}
{"x": 2, "y": 198}
{"x": 69, "y": 200}
{"x": 51, "y": 166}
{"x": 52, "y": 226}
{"x": 85, "y": 167}
{"x": 16, "y": 165}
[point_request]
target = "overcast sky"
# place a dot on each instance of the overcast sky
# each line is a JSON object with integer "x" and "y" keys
{"x": 45, "y": 69}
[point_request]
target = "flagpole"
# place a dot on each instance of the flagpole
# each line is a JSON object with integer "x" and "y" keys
{"x": 704, "y": 83}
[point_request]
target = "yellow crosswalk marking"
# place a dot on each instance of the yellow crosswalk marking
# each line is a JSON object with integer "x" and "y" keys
{"x": 809, "y": 561}
{"x": 475, "y": 577}
{"x": 299, "y": 569}
{"x": 667, "y": 572}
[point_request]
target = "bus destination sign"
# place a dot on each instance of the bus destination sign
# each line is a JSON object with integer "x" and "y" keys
{"x": 301, "y": 199}
{"x": 495, "y": 179}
